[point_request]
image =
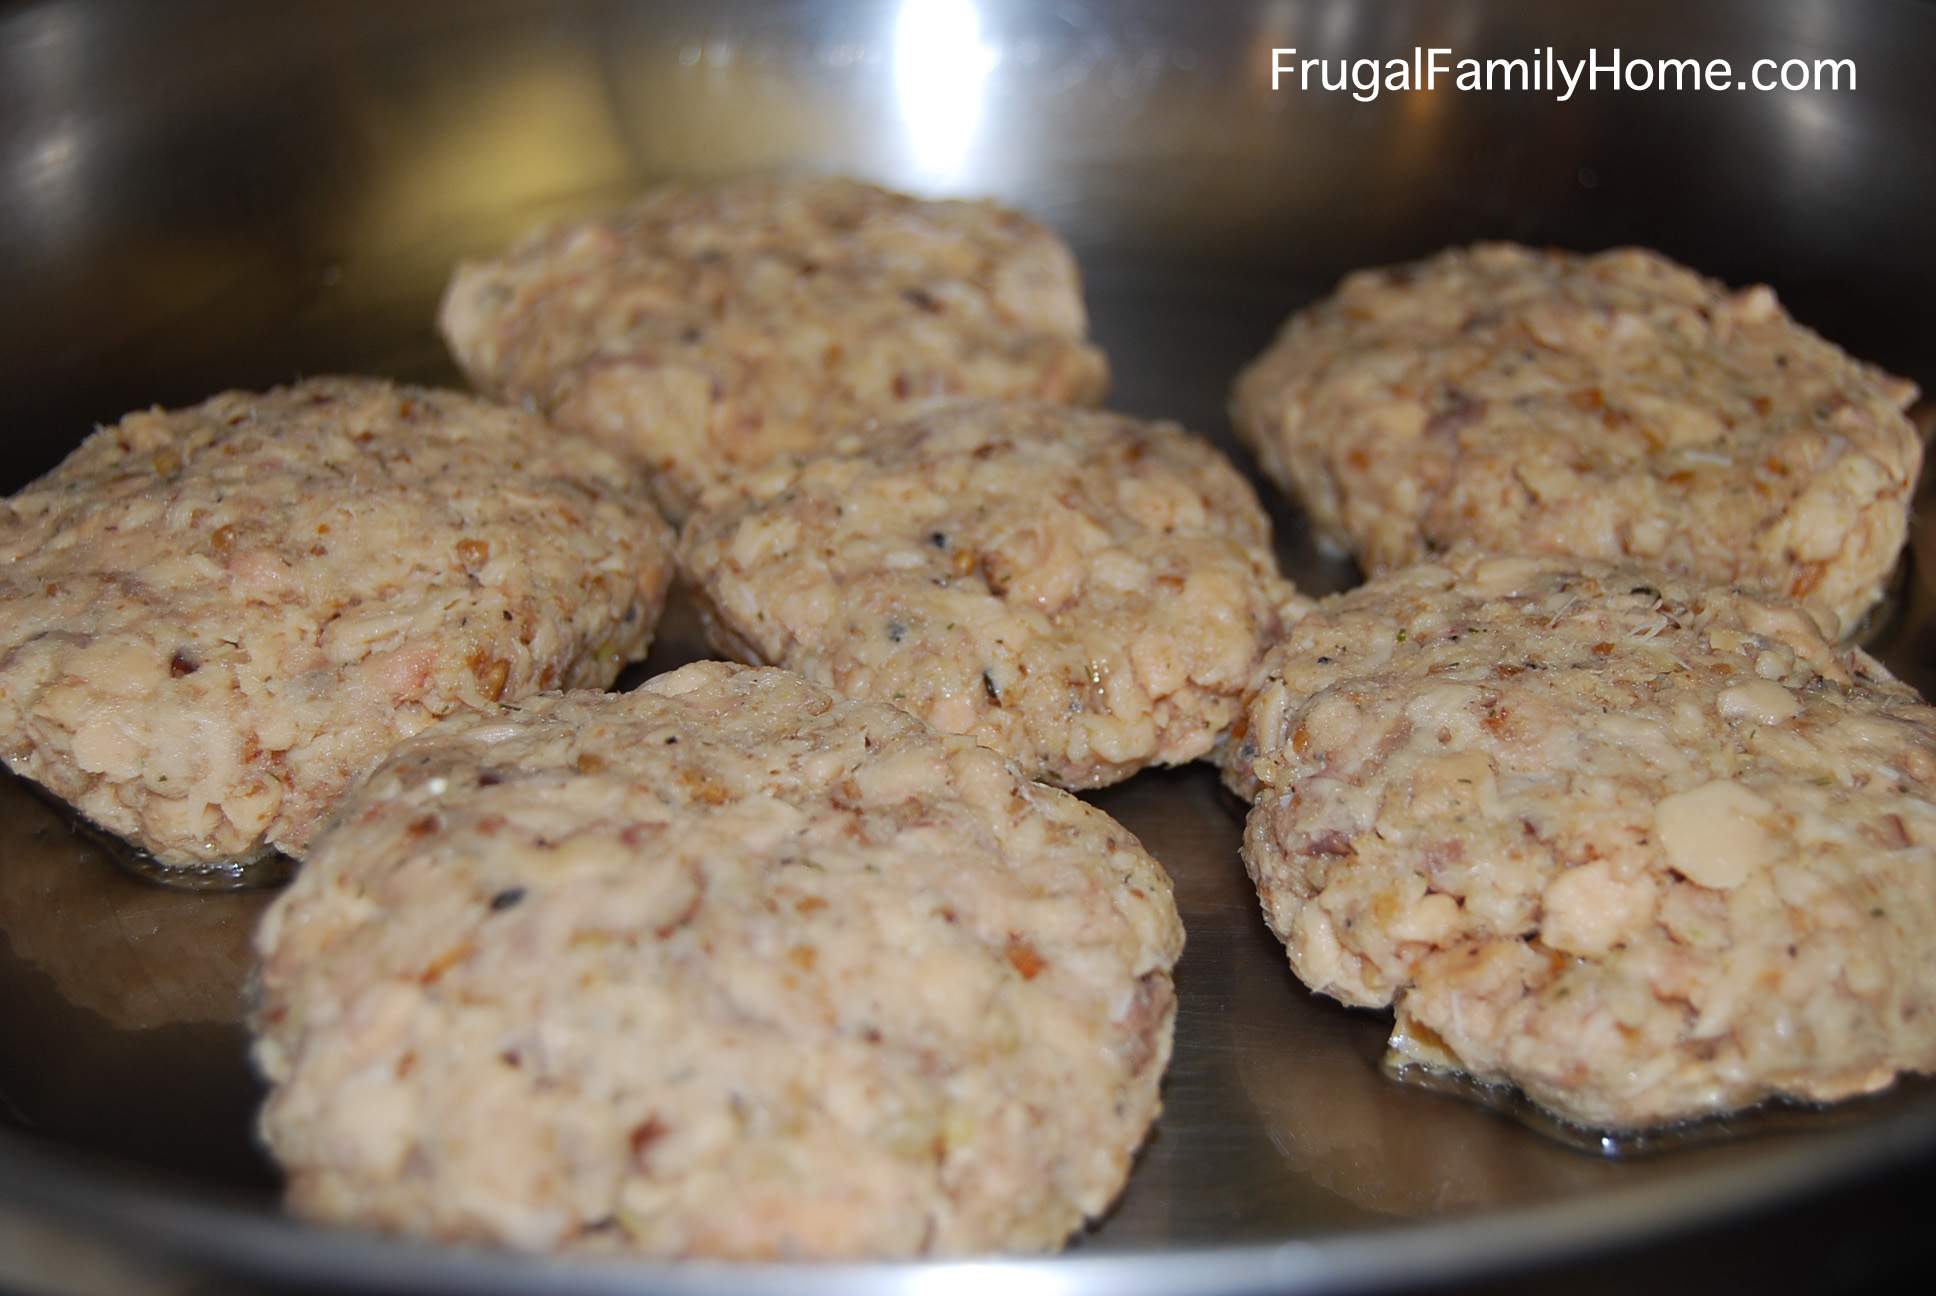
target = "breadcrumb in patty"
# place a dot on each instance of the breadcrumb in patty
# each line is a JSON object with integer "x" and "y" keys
{"x": 1615, "y": 406}
{"x": 1087, "y": 593}
{"x": 1646, "y": 848}
{"x": 216, "y": 617}
{"x": 706, "y": 328}
{"x": 726, "y": 967}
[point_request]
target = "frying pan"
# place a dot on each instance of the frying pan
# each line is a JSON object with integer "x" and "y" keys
{"x": 202, "y": 195}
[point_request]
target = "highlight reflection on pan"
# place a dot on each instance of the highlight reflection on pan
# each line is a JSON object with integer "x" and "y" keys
{"x": 215, "y": 194}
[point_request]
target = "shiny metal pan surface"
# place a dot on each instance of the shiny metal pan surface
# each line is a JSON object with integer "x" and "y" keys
{"x": 203, "y": 195}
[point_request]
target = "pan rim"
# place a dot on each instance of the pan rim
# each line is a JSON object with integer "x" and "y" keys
{"x": 151, "y": 1212}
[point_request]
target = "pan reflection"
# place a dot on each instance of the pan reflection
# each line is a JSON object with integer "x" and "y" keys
{"x": 213, "y": 194}
{"x": 135, "y": 955}
{"x": 941, "y": 69}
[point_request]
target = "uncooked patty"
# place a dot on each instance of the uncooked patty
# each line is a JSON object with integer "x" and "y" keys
{"x": 705, "y": 329}
{"x": 1615, "y": 406}
{"x": 1645, "y": 848}
{"x": 725, "y": 966}
{"x": 1087, "y": 593}
{"x": 214, "y": 618}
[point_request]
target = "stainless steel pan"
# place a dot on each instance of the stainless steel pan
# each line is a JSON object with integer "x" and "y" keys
{"x": 200, "y": 195}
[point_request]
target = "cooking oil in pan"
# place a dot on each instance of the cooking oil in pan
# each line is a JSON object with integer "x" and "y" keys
{"x": 1764, "y": 1118}
{"x": 268, "y": 869}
